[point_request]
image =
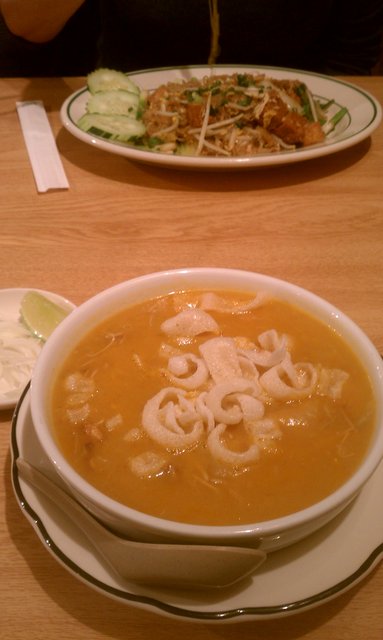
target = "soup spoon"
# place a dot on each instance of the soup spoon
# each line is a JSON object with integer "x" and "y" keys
{"x": 181, "y": 565}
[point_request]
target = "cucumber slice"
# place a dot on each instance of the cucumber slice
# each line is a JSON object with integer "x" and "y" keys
{"x": 113, "y": 102}
{"x": 109, "y": 79}
{"x": 112, "y": 127}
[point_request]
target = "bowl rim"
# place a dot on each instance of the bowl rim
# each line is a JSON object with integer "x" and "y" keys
{"x": 295, "y": 294}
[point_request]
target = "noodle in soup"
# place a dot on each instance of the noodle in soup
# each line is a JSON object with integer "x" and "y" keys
{"x": 213, "y": 408}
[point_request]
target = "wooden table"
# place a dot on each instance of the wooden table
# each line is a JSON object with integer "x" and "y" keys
{"x": 318, "y": 224}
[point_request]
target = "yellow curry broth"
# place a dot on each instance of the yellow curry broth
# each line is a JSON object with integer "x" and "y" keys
{"x": 323, "y": 441}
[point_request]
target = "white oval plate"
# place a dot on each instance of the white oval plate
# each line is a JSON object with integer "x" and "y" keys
{"x": 364, "y": 115}
{"x": 10, "y": 300}
{"x": 298, "y": 578}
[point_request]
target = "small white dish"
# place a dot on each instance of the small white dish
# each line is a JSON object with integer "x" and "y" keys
{"x": 364, "y": 115}
{"x": 291, "y": 580}
{"x": 10, "y": 300}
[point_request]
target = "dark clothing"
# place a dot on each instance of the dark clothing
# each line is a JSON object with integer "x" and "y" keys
{"x": 330, "y": 36}
{"x": 72, "y": 52}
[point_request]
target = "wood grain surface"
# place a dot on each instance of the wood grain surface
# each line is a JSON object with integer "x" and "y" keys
{"x": 318, "y": 224}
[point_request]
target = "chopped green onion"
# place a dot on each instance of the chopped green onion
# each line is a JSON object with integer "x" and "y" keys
{"x": 326, "y": 105}
{"x": 245, "y": 101}
{"x": 336, "y": 118}
{"x": 302, "y": 92}
{"x": 243, "y": 80}
{"x": 154, "y": 141}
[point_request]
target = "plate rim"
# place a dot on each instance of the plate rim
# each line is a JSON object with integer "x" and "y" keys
{"x": 235, "y": 614}
{"x": 217, "y": 163}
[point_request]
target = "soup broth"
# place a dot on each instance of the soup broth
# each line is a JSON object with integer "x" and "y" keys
{"x": 213, "y": 408}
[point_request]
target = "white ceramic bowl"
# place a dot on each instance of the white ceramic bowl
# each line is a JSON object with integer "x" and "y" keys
{"x": 269, "y": 535}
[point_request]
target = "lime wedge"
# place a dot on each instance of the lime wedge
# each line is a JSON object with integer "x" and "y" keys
{"x": 40, "y": 315}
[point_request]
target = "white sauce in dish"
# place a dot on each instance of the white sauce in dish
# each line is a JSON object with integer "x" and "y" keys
{"x": 18, "y": 353}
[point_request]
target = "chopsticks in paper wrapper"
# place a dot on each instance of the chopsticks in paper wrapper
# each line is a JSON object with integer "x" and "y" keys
{"x": 41, "y": 146}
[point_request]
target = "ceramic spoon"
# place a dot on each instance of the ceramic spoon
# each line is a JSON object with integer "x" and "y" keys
{"x": 181, "y": 565}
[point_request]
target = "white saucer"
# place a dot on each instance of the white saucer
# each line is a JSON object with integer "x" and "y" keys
{"x": 291, "y": 580}
{"x": 10, "y": 300}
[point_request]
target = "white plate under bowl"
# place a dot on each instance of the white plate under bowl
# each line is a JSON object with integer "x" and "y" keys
{"x": 10, "y": 300}
{"x": 364, "y": 115}
{"x": 294, "y": 579}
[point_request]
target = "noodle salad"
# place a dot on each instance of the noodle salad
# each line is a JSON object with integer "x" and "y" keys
{"x": 235, "y": 115}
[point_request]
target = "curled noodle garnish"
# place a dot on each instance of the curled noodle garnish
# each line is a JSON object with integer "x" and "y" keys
{"x": 165, "y": 420}
{"x": 211, "y": 301}
{"x": 228, "y": 401}
{"x": 288, "y": 381}
{"x": 187, "y": 371}
{"x": 229, "y": 383}
{"x": 190, "y": 323}
{"x": 220, "y": 355}
{"x": 221, "y": 452}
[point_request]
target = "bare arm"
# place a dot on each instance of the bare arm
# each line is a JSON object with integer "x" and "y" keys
{"x": 37, "y": 20}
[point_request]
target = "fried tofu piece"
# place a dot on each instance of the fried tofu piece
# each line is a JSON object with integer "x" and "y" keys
{"x": 295, "y": 129}
{"x": 290, "y": 126}
{"x": 194, "y": 113}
